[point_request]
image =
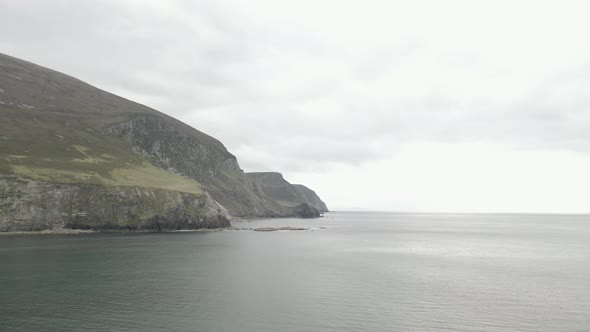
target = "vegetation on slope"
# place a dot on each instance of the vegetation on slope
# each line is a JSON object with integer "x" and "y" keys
{"x": 57, "y": 129}
{"x": 53, "y": 147}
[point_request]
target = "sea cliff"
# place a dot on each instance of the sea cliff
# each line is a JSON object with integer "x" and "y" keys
{"x": 76, "y": 157}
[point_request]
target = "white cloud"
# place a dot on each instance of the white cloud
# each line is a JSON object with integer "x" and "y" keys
{"x": 346, "y": 94}
{"x": 461, "y": 178}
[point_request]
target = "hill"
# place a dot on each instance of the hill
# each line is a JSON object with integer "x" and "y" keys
{"x": 74, "y": 156}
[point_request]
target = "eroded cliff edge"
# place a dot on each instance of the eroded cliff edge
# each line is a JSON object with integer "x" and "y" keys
{"x": 33, "y": 205}
{"x": 74, "y": 156}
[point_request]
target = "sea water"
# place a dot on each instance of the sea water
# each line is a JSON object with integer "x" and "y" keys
{"x": 353, "y": 271}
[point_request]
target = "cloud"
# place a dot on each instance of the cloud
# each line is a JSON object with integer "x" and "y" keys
{"x": 311, "y": 87}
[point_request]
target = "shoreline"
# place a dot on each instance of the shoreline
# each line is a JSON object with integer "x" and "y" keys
{"x": 62, "y": 231}
{"x": 65, "y": 231}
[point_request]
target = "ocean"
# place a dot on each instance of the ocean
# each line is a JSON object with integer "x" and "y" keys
{"x": 351, "y": 271}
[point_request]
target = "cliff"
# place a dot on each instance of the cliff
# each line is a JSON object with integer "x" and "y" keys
{"x": 311, "y": 197}
{"x": 294, "y": 199}
{"x": 74, "y": 156}
{"x": 33, "y": 205}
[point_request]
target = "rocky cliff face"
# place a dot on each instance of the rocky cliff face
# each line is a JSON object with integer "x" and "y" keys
{"x": 74, "y": 156}
{"x": 32, "y": 205}
{"x": 294, "y": 199}
{"x": 311, "y": 197}
{"x": 168, "y": 147}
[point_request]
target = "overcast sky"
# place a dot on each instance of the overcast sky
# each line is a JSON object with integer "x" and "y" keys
{"x": 458, "y": 106}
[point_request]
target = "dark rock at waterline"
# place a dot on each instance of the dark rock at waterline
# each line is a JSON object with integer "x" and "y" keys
{"x": 305, "y": 210}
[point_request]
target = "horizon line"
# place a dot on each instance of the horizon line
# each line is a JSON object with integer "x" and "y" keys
{"x": 454, "y": 212}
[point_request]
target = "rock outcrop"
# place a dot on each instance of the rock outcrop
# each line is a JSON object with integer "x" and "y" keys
{"x": 32, "y": 205}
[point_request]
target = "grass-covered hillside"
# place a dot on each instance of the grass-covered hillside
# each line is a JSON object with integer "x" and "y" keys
{"x": 51, "y": 128}
{"x": 56, "y": 147}
{"x": 57, "y": 129}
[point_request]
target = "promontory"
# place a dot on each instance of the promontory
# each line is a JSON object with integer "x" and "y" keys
{"x": 73, "y": 156}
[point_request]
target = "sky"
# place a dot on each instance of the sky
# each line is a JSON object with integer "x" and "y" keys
{"x": 428, "y": 106}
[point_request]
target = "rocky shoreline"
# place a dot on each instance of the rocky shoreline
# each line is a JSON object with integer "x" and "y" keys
{"x": 84, "y": 231}
{"x": 48, "y": 231}
{"x": 62, "y": 231}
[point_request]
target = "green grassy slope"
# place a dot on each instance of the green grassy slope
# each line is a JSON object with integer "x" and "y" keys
{"x": 51, "y": 129}
{"x": 69, "y": 148}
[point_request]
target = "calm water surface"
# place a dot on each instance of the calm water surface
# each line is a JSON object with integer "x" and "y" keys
{"x": 364, "y": 272}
